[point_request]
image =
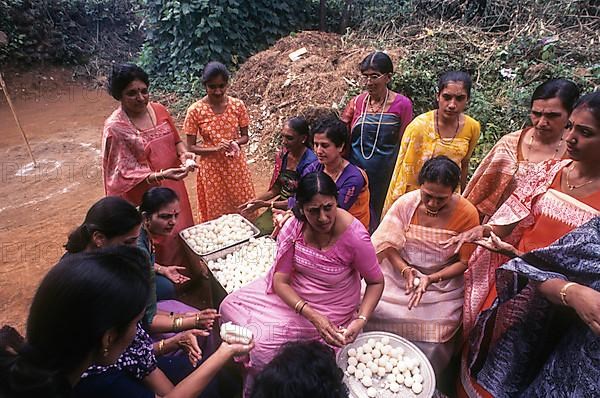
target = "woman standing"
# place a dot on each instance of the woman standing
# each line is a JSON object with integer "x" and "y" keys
{"x": 141, "y": 149}
{"x": 290, "y": 164}
{"x": 221, "y": 123}
{"x": 566, "y": 198}
{"x": 518, "y": 156}
{"x": 408, "y": 241}
{"x": 330, "y": 140}
{"x": 313, "y": 289}
{"x": 377, "y": 119}
{"x": 444, "y": 131}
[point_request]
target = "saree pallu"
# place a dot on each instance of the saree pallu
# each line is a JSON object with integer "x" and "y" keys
{"x": 129, "y": 156}
{"x": 436, "y": 320}
{"x": 548, "y": 351}
{"x": 500, "y": 173}
{"x": 420, "y": 143}
{"x": 328, "y": 280}
{"x": 376, "y": 153}
{"x": 552, "y": 215}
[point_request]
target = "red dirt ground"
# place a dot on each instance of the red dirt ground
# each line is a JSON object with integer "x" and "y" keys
{"x": 40, "y": 206}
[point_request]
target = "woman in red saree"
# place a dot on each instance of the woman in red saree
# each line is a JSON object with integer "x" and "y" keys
{"x": 551, "y": 206}
{"x": 141, "y": 148}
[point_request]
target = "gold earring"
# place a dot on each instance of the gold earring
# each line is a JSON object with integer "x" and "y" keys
{"x": 105, "y": 351}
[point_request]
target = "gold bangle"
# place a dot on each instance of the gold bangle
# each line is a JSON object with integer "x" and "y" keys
{"x": 272, "y": 204}
{"x": 364, "y": 318}
{"x": 177, "y": 323}
{"x": 297, "y": 305}
{"x": 404, "y": 269}
{"x": 161, "y": 345}
{"x": 563, "y": 292}
{"x": 197, "y": 324}
{"x": 439, "y": 279}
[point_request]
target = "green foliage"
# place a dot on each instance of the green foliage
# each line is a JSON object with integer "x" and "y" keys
{"x": 504, "y": 76}
{"x": 184, "y": 35}
{"x": 65, "y": 31}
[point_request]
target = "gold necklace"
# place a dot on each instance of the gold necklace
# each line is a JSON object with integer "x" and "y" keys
{"x": 139, "y": 130}
{"x": 445, "y": 140}
{"x": 431, "y": 213}
{"x": 340, "y": 170}
{"x": 531, "y": 143}
{"x": 572, "y": 187}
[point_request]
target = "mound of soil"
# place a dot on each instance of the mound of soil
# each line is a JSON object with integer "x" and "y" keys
{"x": 276, "y": 88}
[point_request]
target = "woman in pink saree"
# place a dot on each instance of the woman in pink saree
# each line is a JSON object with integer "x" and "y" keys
{"x": 141, "y": 148}
{"x": 313, "y": 289}
{"x": 408, "y": 243}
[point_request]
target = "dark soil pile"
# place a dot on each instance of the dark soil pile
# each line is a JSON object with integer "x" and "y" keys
{"x": 275, "y": 88}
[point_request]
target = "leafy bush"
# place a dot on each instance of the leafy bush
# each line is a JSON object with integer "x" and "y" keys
{"x": 184, "y": 35}
{"x": 66, "y": 31}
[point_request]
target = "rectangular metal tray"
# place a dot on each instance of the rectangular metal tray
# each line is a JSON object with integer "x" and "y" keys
{"x": 225, "y": 249}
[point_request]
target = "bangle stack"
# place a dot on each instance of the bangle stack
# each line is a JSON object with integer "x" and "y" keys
{"x": 299, "y": 306}
{"x": 158, "y": 177}
{"x": 563, "y": 292}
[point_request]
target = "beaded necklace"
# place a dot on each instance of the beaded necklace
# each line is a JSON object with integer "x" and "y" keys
{"x": 362, "y": 126}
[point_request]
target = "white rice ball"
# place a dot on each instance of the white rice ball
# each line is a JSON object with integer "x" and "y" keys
{"x": 417, "y": 388}
{"x": 376, "y": 353}
{"x": 371, "y": 342}
{"x": 367, "y": 381}
{"x": 352, "y": 352}
{"x": 418, "y": 378}
{"x": 367, "y": 373}
{"x": 371, "y": 392}
{"x": 408, "y": 381}
{"x": 358, "y": 374}
{"x": 385, "y": 340}
{"x": 381, "y": 372}
{"x": 361, "y": 366}
{"x": 394, "y": 387}
{"x": 400, "y": 378}
{"x": 351, "y": 369}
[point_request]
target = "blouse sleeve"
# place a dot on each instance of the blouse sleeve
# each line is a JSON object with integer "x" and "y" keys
{"x": 243, "y": 118}
{"x": 474, "y": 138}
{"x": 348, "y": 114}
{"x": 190, "y": 124}
{"x": 350, "y": 189}
{"x": 406, "y": 115}
{"x": 365, "y": 259}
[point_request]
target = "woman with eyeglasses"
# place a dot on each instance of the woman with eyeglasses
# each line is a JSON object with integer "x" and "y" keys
{"x": 377, "y": 119}
{"x": 141, "y": 149}
{"x": 216, "y": 128}
{"x": 443, "y": 131}
{"x": 290, "y": 164}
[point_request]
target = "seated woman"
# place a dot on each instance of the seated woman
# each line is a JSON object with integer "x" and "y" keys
{"x": 301, "y": 369}
{"x": 101, "y": 297}
{"x": 445, "y": 131}
{"x": 524, "y": 153}
{"x": 560, "y": 201}
{"x": 289, "y": 166}
{"x": 313, "y": 288}
{"x": 330, "y": 140}
{"x": 111, "y": 222}
{"x": 408, "y": 243}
